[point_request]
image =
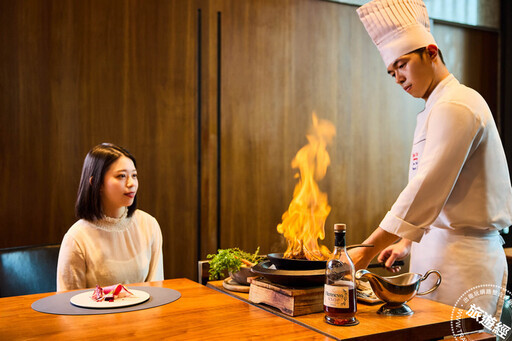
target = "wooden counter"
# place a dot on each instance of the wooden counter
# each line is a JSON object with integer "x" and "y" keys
{"x": 508, "y": 254}
{"x": 431, "y": 320}
{"x": 201, "y": 313}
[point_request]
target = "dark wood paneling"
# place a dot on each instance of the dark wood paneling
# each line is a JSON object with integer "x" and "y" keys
{"x": 472, "y": 55}
{"x": 209, "y": 116}
{"x": 506, "y": 79}
{"x": 77, "y": 73}
{"x": 282, "y": 60}
{"x": 506, "y": 95}
{"x": 214, "y": 98}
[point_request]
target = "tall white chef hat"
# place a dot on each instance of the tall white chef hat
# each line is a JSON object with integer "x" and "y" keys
{"x": 396, "y": 27}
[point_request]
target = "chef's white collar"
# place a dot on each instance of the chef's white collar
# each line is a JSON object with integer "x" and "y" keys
{"x": 434, "y": 96}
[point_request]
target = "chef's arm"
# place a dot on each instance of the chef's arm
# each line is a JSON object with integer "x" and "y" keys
{"x": 454, "y": 132}
{"x": 381, "y": 239}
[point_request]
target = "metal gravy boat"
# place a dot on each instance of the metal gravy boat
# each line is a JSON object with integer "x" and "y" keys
{"x": 397, "y": 290}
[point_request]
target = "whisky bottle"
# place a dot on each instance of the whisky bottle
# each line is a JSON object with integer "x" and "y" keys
{"x": 340, "y": 288}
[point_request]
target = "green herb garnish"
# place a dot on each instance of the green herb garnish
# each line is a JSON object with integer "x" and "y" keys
{"x": 231, "y": 260}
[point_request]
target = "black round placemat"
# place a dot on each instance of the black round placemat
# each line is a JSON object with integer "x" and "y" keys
{"x": 60, "y": 304}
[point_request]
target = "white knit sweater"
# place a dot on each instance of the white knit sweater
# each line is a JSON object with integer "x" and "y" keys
{"x": 103, "y": 253}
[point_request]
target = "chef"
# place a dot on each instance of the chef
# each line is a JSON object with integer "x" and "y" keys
{"x": 459, "y": 195}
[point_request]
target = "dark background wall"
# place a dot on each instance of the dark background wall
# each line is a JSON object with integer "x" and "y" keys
{"x": 213, "y": 98}
{"x": 506, "y": 77}
{"x": 506, "y": 88}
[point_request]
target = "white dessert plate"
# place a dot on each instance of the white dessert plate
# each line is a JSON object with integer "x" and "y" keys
{"x": 84, "y": 300}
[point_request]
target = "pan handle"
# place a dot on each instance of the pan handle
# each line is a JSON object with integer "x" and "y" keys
{"x": 383, "y": 265}
{"x": 358, "y": 245}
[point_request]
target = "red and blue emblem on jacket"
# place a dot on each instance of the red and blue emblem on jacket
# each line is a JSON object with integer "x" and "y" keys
{"x": 415, "y": 161}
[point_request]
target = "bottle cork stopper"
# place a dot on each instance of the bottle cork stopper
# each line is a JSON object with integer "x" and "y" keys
{"x": 340, "y": 227}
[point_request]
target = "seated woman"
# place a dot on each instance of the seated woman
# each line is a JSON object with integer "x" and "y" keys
{"x": 113, "y": 242}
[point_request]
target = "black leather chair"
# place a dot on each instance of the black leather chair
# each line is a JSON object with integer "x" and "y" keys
{"x": 28, "y": 270}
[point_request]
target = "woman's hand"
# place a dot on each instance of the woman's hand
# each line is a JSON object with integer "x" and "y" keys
{"x": 395, "y": 252}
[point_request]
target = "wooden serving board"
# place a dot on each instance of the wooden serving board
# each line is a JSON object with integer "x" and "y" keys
{"x": 232, "y": 285}
{"x": 290, "y": 301}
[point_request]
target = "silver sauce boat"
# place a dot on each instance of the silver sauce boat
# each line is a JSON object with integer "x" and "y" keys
{"x": 397, "y": 290}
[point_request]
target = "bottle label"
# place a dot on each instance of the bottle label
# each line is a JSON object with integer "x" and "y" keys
{"x": 336, "y": 296}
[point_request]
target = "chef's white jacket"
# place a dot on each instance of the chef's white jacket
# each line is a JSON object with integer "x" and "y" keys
{"x": 459, "y": 193}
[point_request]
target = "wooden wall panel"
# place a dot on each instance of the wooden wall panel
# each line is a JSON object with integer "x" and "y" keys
{"x": 506, "y": 82}
{"x": 214, "y": 98}
{"x": 77, "y": 73}
{"x": 282, "y": 60}
{"x": 472, "y": 55}
{"x": 209, "y": 127}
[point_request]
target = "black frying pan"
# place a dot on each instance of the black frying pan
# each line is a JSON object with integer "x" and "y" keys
{"x": 295, "y": 278}
{"x": 302, "y": 264}
{"x": 290, "y": 278}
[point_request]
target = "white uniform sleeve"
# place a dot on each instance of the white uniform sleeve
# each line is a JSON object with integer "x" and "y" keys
{"x": 71, "y": 266}
{"x": 453, "y": 132}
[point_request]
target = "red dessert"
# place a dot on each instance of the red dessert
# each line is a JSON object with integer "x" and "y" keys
{"x": 110, "y": 293}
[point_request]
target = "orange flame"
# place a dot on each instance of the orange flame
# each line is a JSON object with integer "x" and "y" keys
{"x": 304, "y": 222}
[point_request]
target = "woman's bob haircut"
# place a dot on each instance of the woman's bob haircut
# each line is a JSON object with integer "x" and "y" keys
{"x": 96, "y": 164}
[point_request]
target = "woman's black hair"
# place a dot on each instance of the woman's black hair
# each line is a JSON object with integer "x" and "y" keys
{"x": 96, "y": 163}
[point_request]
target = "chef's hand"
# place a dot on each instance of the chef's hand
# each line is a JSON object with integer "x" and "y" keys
{"x": 395, "y": 252}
